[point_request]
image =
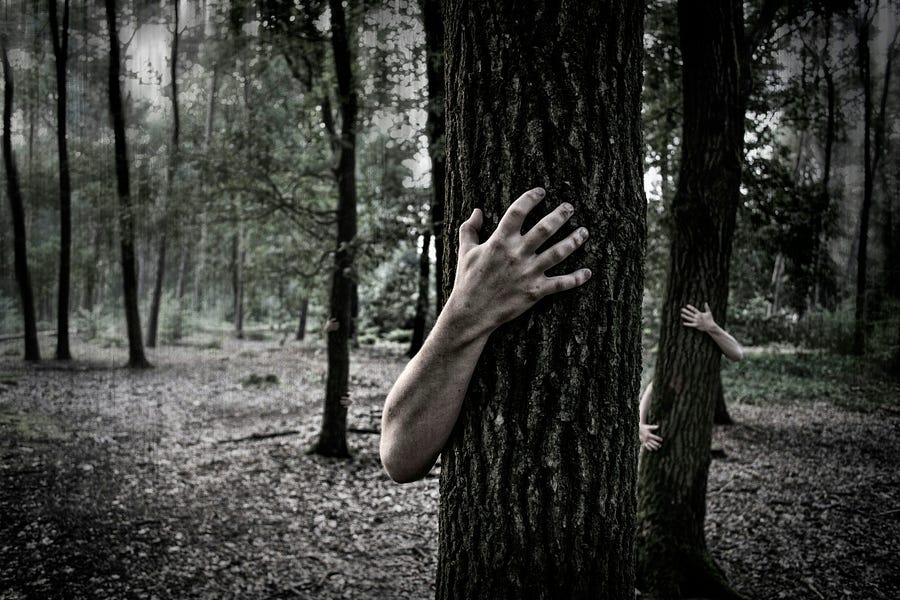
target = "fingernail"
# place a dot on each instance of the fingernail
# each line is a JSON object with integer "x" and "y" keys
{"x": 587, "y": 273}
{"x": 568, "y": 208}
{"x": 540, "y": 192}
{"x": 583, "y": 232}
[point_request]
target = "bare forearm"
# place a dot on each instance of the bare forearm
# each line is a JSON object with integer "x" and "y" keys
{"x": 422, "y": 407}
{"x": 726, "y": 342}
{"x": 645, "y": 403}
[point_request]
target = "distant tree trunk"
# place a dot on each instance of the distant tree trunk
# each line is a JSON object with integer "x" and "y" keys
{"x": 824, "y": 193}
{"x": 17, "y": 207}
{"x": 333, "y": 435}
{"x": 91, "y": 276}
{"x": 418, "y": 334}
{"x": 239, "y": 253}
{"x": 169, "y": 201}
{"x": 673, "y": 560}
{"x": 136, "y": 358}
{"x": 538, "y": 477}
{"x": 301, "y": 327}
{"x": 435, "y": 125}
{"x": 61, "y": 54}
{"x": 182, "y": 274}
{"x": 859, "y": 317}
{"x": 200, "y": 265}
{"x": 777, "y": 277}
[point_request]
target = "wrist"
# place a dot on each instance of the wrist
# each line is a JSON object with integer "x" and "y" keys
{"x": 462, "y": 321}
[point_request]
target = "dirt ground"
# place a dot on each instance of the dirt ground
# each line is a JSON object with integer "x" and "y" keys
{"x": 119, "y": 484}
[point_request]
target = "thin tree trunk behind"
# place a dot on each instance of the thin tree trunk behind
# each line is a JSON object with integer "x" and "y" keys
{"x": 200, "y": 265}
{"x": 435, "y": 126}
{"x": 239, "y": 253}
{"x": 537, "y": 479}
{"x": 60, "y": 41}
{"x": 301, "y": 326}
{"x": 673, "y": 559}
{"x": 17, "y": 207}
{"x": 859, "y": 315}
{"x": 333, "y": 434}
{"x": 418, "y": 333}
{"x": 136, "y": 358}
{"x": 169, "y": 200}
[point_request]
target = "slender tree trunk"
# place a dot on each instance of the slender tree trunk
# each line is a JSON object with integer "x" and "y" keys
{"x": 435, "y": 126}
{"x": 159, "y": 276}
{"x": 169, "y": 201}
{"x": 418, "y": 334}
{"x": 239, "y": 253}
{"x": 136, "y": 358}
{"x": 182, "y": 274}
{"x": 333, "y": 435}
{"x": 859, "y": 317}
{"x": 60, "y": 41}
{"x": 777, "y": 277}
{"x": 673, "y": 560}
{"x": 301, "y": 326}
{"x": 17, "y": 207}
{"x": 538, "y": 477}
{"x": 200, "y": 265}
{"x": 824, "y": 194}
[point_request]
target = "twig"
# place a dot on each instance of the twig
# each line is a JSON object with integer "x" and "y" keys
{"x": 363, "y": 430}
{"x": 812, "y": 587}
{"x": 259, "y": 436}
{"x": 893, "y": 511}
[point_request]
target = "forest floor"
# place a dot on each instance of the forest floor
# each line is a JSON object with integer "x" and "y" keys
{"x": 120, "y": 484}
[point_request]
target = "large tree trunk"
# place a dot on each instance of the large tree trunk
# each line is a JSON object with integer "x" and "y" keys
{"x": 538, "y": 477}
{"x": 435, "y": 125}
{"x": 418, "y": 333}
{"x": 673, "y": 560}
{"x": 60, "y": 41}
{"x": 17, "y": 207}
{"x": 333, "y": 435}
{"x": 136, "y": 358}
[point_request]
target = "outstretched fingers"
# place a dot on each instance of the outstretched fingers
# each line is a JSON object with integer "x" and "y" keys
{"x": 560, "y": 251}
{"x": 547, "y": 226}
{"x": 511, "y": 223}
{"x": 562, "y": 283}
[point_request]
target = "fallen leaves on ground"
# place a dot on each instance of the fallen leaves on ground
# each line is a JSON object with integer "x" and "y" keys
{"x": 192, "y": 480}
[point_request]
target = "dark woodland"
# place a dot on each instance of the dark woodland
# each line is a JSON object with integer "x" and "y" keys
{"x": 227, "y": 226}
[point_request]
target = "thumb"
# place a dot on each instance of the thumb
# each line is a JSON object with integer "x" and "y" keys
{"x": 706, "y": 307}
{"x": 468, "y": 232}
{"x": 652, "y": 426}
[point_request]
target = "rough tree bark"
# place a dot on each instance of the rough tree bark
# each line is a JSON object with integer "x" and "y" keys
{"x": 60, "y": 40}
{"x": 333, "y": 434}
{"x": 17, "y": 207}
{"x": 418, "y": 333}
{"x": 538, "y": 477}
{"x": 434, "y": 126}
{"x": 136, "y": 358}
{"x": 673, "y": 560}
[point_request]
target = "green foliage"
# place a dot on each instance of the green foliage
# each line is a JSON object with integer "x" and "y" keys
{"x": 10, "y": 317}
{"x": 809, "y": 377}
